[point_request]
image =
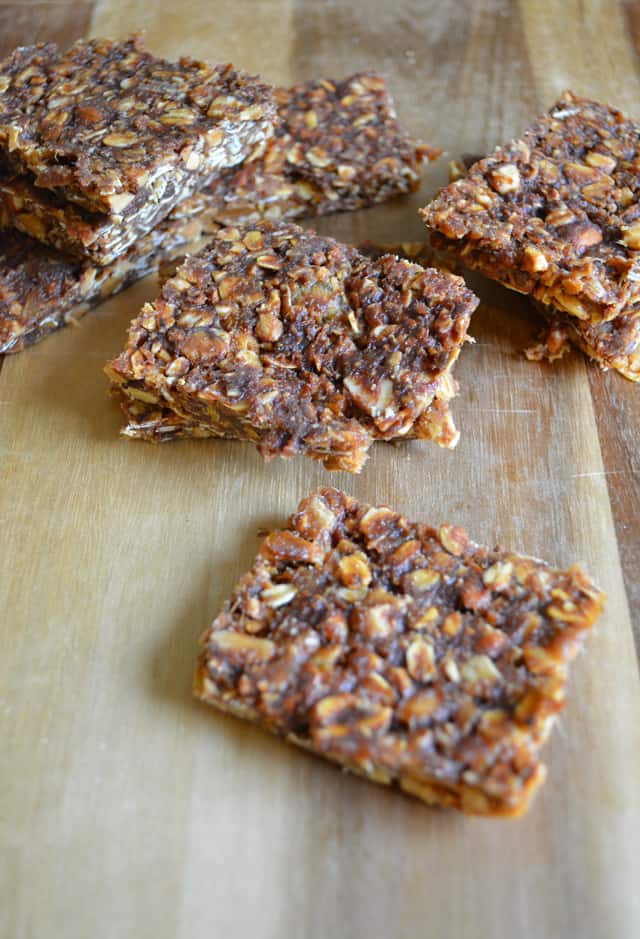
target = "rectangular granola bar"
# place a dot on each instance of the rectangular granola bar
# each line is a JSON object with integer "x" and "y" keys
{"x": 156, "y": 423}
{"x": 300, "y": 344}
{"x": 409, "y": 655}
{"x": 555, "y": 213}
{"x": 338, "y": 147}
{"x": 42, "y": 289}
{"x": 117, "y": 138}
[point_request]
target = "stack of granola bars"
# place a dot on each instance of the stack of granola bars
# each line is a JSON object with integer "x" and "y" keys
{"x": 101, "y": 149}
{"x": 113, "y": 160}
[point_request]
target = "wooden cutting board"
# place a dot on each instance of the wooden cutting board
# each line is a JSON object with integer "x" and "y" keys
{"x": 126, "y": 809}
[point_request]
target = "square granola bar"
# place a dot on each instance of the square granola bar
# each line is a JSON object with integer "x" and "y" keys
{"x": 555, "y": 213}
{"x": 409, "y": 655}
{"x": 121, "y": 134}
{"x": 338, "y": 147}
{"x": 300, "y": 344}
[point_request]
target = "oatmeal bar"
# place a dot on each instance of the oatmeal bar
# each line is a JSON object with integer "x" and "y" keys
{"x": 611, "y": 344}
{"x": 409, "y": 655}
{"x": 122, "y": 135}
{"x": 42, "y": 290}
{"x": 159, "y": 424}
{"x": 338, "y": 147}
{"x": 300, "y": 344}
{"x": 554, "y": 214}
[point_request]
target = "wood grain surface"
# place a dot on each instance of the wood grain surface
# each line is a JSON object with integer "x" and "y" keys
{"x": 127, "y": 809}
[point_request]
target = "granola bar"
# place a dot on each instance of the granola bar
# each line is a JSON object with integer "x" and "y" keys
{"x": 300, "y": 344}
{"x": 338, "y": 147}
{"x": 121, "y": 135}
{"x": 42, "y": 289}
{"x": 159, "y": 424}
{"x": 409, "y": 655}
{"x": 555, "y": 213}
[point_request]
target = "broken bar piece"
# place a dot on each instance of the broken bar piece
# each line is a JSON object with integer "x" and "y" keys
{"x": 554, "y": 214}
{"x": 611, "y": 344}
{"x": 300, "y": 344}
{"x": 409, "y": 655}
{"x": 116, "y": 138}
{"x": 42, "y": 290}
{"x": 338, "y": 147}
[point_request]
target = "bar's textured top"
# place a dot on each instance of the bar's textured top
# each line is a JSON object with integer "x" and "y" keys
{"x": 555, "y": 213}
{"x": 338, "y": 147}
{"x": 102, "y": 122}
{"x": 279, "y": 335}
{"x": 408, "y": 654}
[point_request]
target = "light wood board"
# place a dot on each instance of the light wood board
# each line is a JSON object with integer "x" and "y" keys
{"x": 127, "y": 809}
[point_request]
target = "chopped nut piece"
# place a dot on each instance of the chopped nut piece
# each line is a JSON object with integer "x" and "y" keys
{"x": 379, "y": 621}
{"x": 631, "y": 236}
{"x": 505, "y": 178}
{"x": 320, "y": 388}
{"x": 581, "y": 234}
{"x": 534, "y": 260}
{"x": 421, "y": 663}
{"x": 354, "y": 571}
{"x": 447, "y": 717}
{"x": 479, "y": 669}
